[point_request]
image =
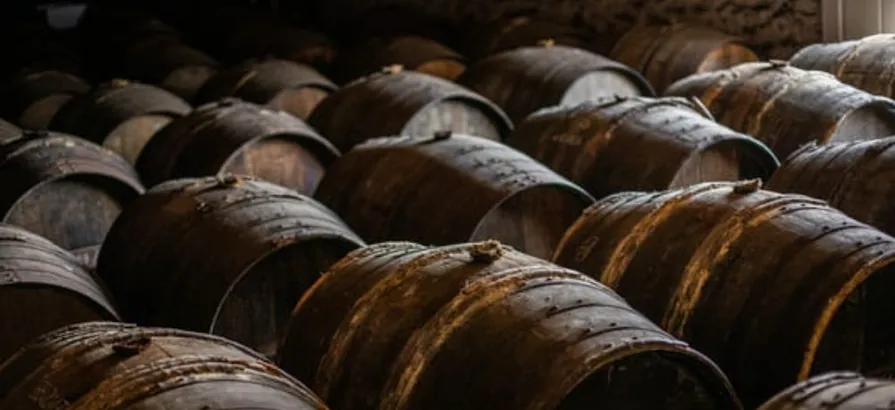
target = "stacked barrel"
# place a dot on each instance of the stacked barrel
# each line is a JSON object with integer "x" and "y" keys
{"x": 242, "y": 212}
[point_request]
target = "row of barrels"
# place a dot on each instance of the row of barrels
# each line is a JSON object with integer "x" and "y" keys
{"x": 396, "y": 325}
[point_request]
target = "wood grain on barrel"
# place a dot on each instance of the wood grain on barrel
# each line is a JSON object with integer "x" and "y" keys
{"x": 401, "y": 326}
{"x": 394, "y": 188}
{"x": 667, "y": 53}
{"x": 42, "y": 287}
{"x": 70, "y": 362}
{"x": 640, "y": 143}
{"x": 772, "y": 287}
{"x": 32, "y": 99}
{"x": 526, "y": 79}
{"x": 865, "y": 63}
{"x": 63, "y": 188}
{"x": 225, "y": 255}
{"x": 411, "y": 52}
{"x": 280, "y": 84}
{"x": 835, "y": 390}
{"x": 120, "y": 115}
{"x": 786, "y": 107}
{"x": 233, "y": 136}
{"x": 395, "y": 102}
{"x": 854, "y": 177}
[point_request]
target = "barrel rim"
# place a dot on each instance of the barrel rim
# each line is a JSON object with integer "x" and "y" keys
{"x": 323, "y": 150}
{"x": 786, "y": 394}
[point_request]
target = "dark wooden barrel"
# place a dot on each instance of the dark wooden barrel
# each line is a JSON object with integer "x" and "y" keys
{"x": 233, "y": 136}
{"x": 207, "y": 382}
{"x": 42, "y": 288}
{"x": 864, "y": 63}
{"x": 225, "y": 255}
{"x": 451, "y": 188}
{"x": 773, "y": 287}
{"x": 63, "y": 188}
{"x": 395, "y": 102}
{"x": 667, "y": 53}
{"x": 516, "y": 32}
{"x": 32, "y": 99}
{"x": 481, "y": 326}
{"x": 526, "y": 79}
{"x": 171, "y": 65}
{"x": 264, "y": 36}
{"x": 120, "y": 115}
{"x": 787, "y": 107}
{"x": 835, "y": 390}
{"x": 60, "y": 368}
{"x": 411, "y": 52}
{"x": 640, "y": 143}
{"x": 279, "y": 84}
{"x": 8, "y": 130}
{"x": 853, "y": 177}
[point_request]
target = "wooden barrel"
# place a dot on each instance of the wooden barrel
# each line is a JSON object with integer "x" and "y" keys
{"x": 394, "y": 188}
{"x": 835, "y": 390}
{"x": 411, "y": 52}
{"x": 32, "y": 99}
{"x": 787, "y": 107}
{"x": 640, "y": 143}
{"x": 233, "y": 136}
{"x": 66, "y": 369}
{"x": 8, "y": 130}
{"x": 225, "y": 255}
{"x": 526, "y": 79}
{"x": 120, "y": 115}
{"x": 773, "y": 287}
{"x": 667, "y": 53}
{"x": 865, "y": 63}
{"x": 42, "y": 288}
{"x": 171, "y": 65}
{"x": 516, "y": 32}
{"x": 264, "y": 36}
{"x": 64, "y": 188}
{"x": 395, "y": 102}
{"x": 482, "y": 326}
{"x": 851, "y": 176}
{"x": 279, "y": 84}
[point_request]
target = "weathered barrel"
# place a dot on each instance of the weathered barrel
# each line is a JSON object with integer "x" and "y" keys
{"x": 171, "y": 65}
{"x": 667, "y": 53}
{"x": 120, "y": 115}
{"x": 42, "y": 288}
{"x": 279, "y": 84}
{"x": 395, "y": 101}
{"x": 787, "y": 107}
{"x": 63, "y": 188}
{"x": 640, "y": 143}
{"x": 482, "y": 326}
{"x": 451, "y": 188}
{"x": 835, "y": 390}
{"x": 261, "y": 36}
{"x": 32, "y": 99}
{"x": 516, "y": 32}
{"x": 853, "y": 177}
{"x": 773, "y": 287}
{"x": 225, "y": 255}
{"x": 60, "y": 368}
{"x": 233, "y": 136}
{"x": 526, "y": 79}
{"x": 8, "y": 130}
{"x": 865, "y": 63}
{"x": 411, "y": 52}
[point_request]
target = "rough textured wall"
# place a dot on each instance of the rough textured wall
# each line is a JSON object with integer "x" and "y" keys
{"x": 775, "y": 27}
